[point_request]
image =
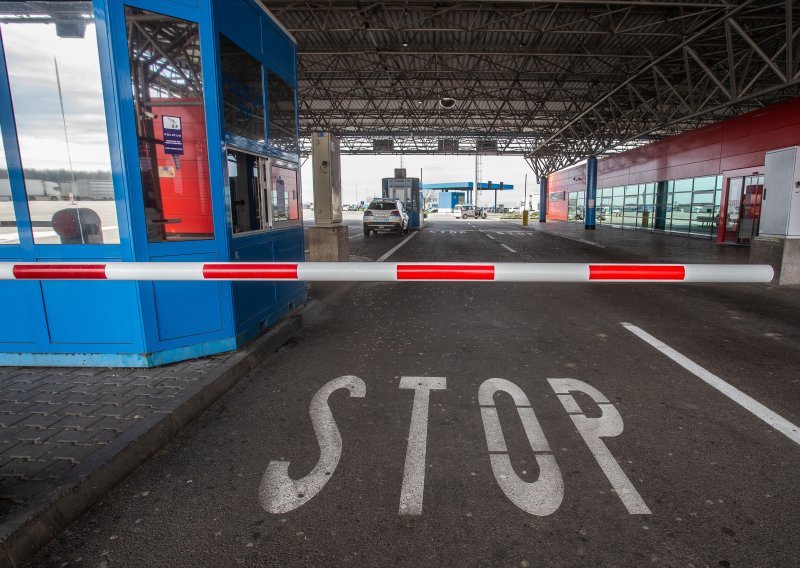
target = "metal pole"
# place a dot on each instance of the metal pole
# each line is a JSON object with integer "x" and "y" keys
{"x": 591, "y": 193}
{"x": 525, "y": 198}
{"x": 543, "y": 200}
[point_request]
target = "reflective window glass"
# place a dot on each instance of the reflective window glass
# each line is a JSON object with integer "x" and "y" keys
{"x": 702, "y": 216}
{"x": 8, "y": 221}
{"x": 617, "y": 206}
{"x": 54, "y": 75}
{"x": 705, "y": 183}
{"x": 646, "y": 214}
{"x": 167, "y": 82}
{"x": 285, "y": 193}
{"x": 681, "y": 212}
{"x": 242, "y": 91}
{"x": 682, "y": 185}
{"x": 282, "y": 115}
{"x": 630, "y": 207}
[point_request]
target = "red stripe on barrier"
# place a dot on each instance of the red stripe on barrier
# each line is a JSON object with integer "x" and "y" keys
{"x": 439, "y": 272}
{"x": 275, "y": 271}
{"x": 635, "y": 272}
{"x": 60, "y": 272}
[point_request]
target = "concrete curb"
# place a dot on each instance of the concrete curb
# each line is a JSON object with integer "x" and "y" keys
{"x": 25, "y": 531}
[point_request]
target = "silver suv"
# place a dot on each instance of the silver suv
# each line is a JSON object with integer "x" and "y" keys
{"x": 385, "y": 215}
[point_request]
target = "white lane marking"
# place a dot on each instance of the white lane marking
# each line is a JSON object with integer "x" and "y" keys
{"x": 508, "y": 248}
{"x": 413, "y": 487}
{"x": 357, "y": 235}
{"x": 278, "y": 493}
{"x": 609, "y": 424}
{"x": 543, "y": 496}
{"x": 490, "y": 236}
{"x": 576, "y": 239}
{"x": 775, "y": 420}
{"x": 395, "y": 248}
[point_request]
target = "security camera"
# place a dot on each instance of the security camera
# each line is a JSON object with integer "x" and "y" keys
{"x": 447, "y": 102}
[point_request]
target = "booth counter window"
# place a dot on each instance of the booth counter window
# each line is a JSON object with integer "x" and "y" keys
{"x": 167, "y": 83}
{"x": 8, "y": 222}
{"x": 54, "y": 74}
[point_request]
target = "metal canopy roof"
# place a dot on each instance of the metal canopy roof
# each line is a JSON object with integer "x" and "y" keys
{"x": 555, "y": 81}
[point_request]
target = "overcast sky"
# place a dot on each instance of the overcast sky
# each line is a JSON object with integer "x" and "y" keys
{"x": 363, "y": 174}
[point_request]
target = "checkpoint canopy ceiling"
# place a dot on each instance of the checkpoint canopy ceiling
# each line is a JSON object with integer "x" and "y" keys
{"x": 556, "y": 81}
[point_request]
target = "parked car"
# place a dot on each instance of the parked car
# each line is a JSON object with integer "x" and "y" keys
{"x": 463, "y": 211}
{"x": 480, "y": 213}
{"x": 385, "y": 215}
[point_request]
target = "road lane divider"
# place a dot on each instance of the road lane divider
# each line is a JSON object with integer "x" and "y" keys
{"x": 775, "y": 420}
{"x": 508, "y": 248}
{"x": 390, "y": 271}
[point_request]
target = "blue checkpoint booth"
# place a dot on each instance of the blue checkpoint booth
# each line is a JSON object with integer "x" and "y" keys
{"x": 462, "y": 192}
{"x": 152, "y": 131}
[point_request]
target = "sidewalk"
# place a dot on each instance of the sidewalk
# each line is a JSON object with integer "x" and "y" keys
{"x": 67, "y": 435}
{"x": 650, "y": 246}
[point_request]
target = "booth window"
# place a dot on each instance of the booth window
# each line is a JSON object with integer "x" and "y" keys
{"x": 242, "y": 92}
{"x": 284, "y": 193}
{"x": 54, "y": 74}
{"x": 246, "y": 180}
{"x": 8, "y": 221}
{"x": 282, "y": 115}
{"x": 167, "y": 83}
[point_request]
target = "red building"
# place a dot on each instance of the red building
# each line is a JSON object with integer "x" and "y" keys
{"x": 705, "y": 183}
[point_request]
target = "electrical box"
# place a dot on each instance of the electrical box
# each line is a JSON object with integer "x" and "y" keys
{"x": 327, "y": 179}
{"x": 780, "y": 205}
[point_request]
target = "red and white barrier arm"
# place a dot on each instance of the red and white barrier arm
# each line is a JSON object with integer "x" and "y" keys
{"x": 389, "y": 272}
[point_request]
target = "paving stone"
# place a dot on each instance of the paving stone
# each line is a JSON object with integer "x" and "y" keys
{"x": 74, "y": 453}
{"x": 77, "y": 422}
{"x": 46, "y": 408}
{"x": 19, "y": 490}
{"x": 104, "y": 437}
{"x": 30, "y": 451}
{"x": 110, "y": 423}
{"x": 80, "y": 410}
{"x": 71, "y": 436}
{"x": 27, "y": 469}
{"x": 36, "y": 435}
{"x": 37, "y": 420}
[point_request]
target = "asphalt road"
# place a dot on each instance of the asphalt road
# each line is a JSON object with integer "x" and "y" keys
{"x": 642, "y": 463}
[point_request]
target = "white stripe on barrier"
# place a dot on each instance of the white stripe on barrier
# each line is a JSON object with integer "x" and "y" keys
{"x": 728, "y": 273}
{"x": 346, "y": 271}
{"x": 6, "y": 271}
{"x": 165, "y": 271}
{"x": 541, "y": 272}
{"x": 388, "y": 272}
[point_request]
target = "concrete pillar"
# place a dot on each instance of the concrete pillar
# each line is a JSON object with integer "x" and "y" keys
{"x": 591, "y": 193}
{"x": 543, "y": 200}
{"x": 328, "y": 238}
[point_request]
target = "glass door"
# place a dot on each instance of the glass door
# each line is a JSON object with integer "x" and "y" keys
{"x": 743, "y": 209}
{"x": 751, "y": 208}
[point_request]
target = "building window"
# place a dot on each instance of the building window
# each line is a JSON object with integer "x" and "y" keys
{"x": 167, "y": 82}
{"x": 242, "y": 92}
{"x": 282, "y": 115}
{"x": 8, "y": 221}
{"x": 54, "y": 75}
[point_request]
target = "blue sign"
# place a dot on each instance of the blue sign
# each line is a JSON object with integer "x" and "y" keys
{"x": 173, "y": 135}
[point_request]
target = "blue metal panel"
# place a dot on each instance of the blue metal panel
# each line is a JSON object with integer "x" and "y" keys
{"x": 90, "y": 312}
{"x": 187, "y": 308}
{"x": 19, "y": 322}
{"x": 279, "y": 49}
